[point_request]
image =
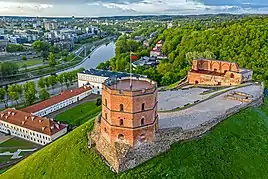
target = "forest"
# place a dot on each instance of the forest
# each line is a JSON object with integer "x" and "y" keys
{"x": 243, "y": 41}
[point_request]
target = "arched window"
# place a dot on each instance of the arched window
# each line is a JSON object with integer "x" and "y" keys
{"x": 121, "y": 122}
{"x": 105, "y": 102}
{"x": 121, "y": 107}
{"x": 121, "y": 137}
{"x": 143, "y": 106}
{"x": 232, "y": 75}
{"x": 142, "y": 121}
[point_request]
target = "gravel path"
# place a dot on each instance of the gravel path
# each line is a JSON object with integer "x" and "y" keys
{"x": 205, "y": 111}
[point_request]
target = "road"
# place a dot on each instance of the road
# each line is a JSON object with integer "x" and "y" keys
{"x": 100, "y": 54}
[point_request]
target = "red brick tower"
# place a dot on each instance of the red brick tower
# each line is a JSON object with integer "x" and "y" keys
{"x": 129, "y": 110}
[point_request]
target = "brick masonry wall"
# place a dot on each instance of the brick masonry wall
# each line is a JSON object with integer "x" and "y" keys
{"x": 122, "y": 157}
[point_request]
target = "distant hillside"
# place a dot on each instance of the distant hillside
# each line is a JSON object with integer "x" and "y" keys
{"x": 237, "y": 148}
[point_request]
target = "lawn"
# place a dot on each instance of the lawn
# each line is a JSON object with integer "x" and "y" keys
{"x": 29, "y": 62}
{"x": 16, "y": 142}
{"x": 79, "y": 114}
{"x": 236, "y": 148}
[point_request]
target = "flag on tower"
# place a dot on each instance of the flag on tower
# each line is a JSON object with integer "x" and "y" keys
{"x": 133, "y": 57}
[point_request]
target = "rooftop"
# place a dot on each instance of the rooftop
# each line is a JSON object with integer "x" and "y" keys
{"x": 34, "y": 123}
{"x": 130, "y": 85}
{"x": 56, "y": 99}
{"x": 107, "y": 73}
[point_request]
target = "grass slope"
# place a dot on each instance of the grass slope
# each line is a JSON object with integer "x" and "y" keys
{"x": 79, "y": 114}
{"x": 237, "y": 148}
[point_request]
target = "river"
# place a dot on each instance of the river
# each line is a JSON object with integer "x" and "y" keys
{"x": 100, "y": 54}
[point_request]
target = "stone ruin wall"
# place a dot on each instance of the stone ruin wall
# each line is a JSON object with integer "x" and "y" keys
{"x": 121, "y": 157}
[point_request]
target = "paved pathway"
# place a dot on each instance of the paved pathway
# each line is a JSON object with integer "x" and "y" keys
{"x": 205, "y": 111}
{"x": 16, "y": 155}
{"x": 169, "y": 100}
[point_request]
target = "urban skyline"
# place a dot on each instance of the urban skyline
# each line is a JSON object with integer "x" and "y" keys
{"x": 82, "y": 8}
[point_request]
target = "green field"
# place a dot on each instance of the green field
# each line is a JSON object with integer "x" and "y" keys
{"x": 79, "y": 114}
{"x": 16, "y": 142}
{"x": 236, "y": 148}
{"x": 12, "y": 145}
{"x": 29, "y": 62}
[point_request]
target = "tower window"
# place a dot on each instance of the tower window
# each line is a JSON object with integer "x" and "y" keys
{"x": 143, "y": 107}
{"x": 121, "y": 122}
{"x": 142, "y": 121}
{"x": 121, "y": 136}
{"x": 121, "y": 107}
{"x": 105, "y": 115}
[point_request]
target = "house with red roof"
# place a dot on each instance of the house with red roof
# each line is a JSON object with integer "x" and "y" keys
{"x": 60, "y": 101}
{"x": 30, "y": 127}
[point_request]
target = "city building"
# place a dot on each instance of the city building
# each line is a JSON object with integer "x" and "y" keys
{"x": 145, "y": 61}
{"x": 60, "y": 101}
{"x": 94, "y": 78}
{"x": 156, "y": 52}
{"x": 215, "y": 72}
{"x": 30, "y": 127}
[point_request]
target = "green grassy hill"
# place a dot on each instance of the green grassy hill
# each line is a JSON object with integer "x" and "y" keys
{"x": 237, "y": 148}
{"x": 79, "y": 114}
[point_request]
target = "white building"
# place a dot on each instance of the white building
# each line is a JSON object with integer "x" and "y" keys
{"x": 29, "y": 127}
{"x": 60, "y": 101}
{"x": 94, "y": 78}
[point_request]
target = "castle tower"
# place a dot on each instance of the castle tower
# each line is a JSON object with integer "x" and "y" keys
{"x": 129, "y": 110}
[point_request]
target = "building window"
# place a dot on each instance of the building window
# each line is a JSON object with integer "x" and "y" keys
{"x": 105, "y": 115}
{"x": 143, "y": 106}
{"x": 121, "y": 122}
{"x": 105, "y": 130}
{"x": 105, "y": 102}
{"x": 121, "y": 137}
{"x": 232, "y": 75}
{"x": 121, "y": 107}
{"x": 142, "y": 121}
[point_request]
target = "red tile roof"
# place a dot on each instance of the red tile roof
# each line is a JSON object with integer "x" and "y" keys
{"x": 56, "y": 99}
{"x": 28, "y": 121}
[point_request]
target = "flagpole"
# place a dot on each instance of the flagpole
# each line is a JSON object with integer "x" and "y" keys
{"x": 130, "y": 64}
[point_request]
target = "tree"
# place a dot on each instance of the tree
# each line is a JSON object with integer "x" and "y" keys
{"x": 43, "y": 94}
{"x": 14, "y": 48}
{"x": 13, "y": 93}
{"x": 51, "y": 60}
{"x": 8, "y": 69}
{"x": 30, "y": 92}
{"x": 98, "y": 102}
{"x": 3, "y": 95}
{"x": 24, "y": 58}
{"x": 41, "y": 83}
{"x": 60, "y": 78}
{"x": 52, "y": 81}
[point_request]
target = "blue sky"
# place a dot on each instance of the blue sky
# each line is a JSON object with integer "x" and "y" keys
{"x": 128, "y": 7}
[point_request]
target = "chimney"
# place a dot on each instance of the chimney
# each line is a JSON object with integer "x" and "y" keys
{"x": 33, "y": 118}
{"x": 6, "y": 117}
{"x": 57, "y": 126}
{"x": 2, "y": 115}
{"x": 26, "y": 117}
{"x": 13, "y": 114}
{"x": 22, "y": 122}
{"x": 40, "y": 120}
{"x": 52, "y": 127}
{"x": 8, "y": 113}
{"x": 43, "y": 128}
